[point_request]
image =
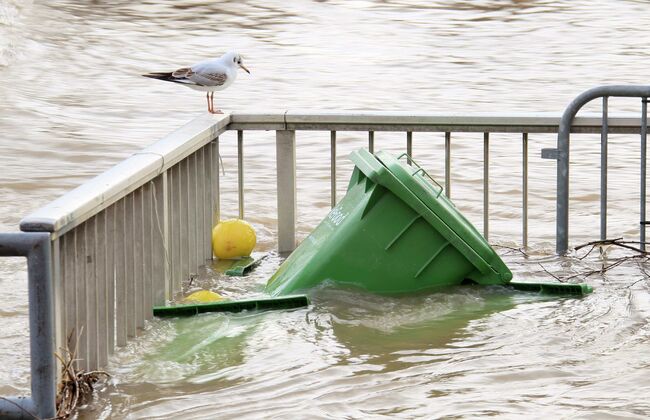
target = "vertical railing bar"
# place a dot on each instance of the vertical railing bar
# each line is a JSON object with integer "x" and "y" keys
{"x": 171, "y": 204}
{"x": 176, "y": 206}
{"x": 110, "y": 277}
{"x": 138, "y": 237}
{"x": 371, "y": 141}
{"x": 190, "y": 193}
{"x": 166, "y": 223}
{"x": 148, "y": 250}
{"x": 333, "y": 168}
{"x": 58, "y": 301}
{"x": 81, "y": 329}
{"x": 121, "y": 268}
{"x": 524, "y": 188}
{"x": 486, "y": 185}
{"x": 184, "y": 191}
{"x": 161, "y": 244}
{"x": 91, "y": 292}
{"x": 193, "y": 225}
{"x": 240, "y": 171}
{"x": 102, "y": 289}
{"x": 409, "y": 145}
{"x": 603, "y": 170}
{"x": 207, "y": 202}
{"x": 69, "y": 247}
{"x": 448, "y": 164}
{"x": 200, "y": 205}
{"x": 285, "y": 155}
{"x": 217, "y": 186}
{"x": 194, "y": 222}
{"x": 644, "y": 137}
{"x": 129, "y": 247}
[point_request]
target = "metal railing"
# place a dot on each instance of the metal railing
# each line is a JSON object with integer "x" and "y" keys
{"x": 562, "y": 156}
{"x": 125, "y": 240}
{"x": 36, "y": 248}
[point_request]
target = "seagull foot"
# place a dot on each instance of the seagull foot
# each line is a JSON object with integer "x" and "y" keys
{"x": 218, "y": 111}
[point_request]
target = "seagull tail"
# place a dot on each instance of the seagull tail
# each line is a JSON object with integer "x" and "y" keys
{"x": 166, "y": 76}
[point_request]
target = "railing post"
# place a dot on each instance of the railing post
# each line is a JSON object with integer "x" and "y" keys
{"x": 240, "y": 171}
{"x": 37, "y": 248}
{"x": 161, "y": 242}
{"x": 486, "y": 185}
{"x": 333, "y": 169}
{"x": 448, "y": 164}
{"x": 286, "y": 181}
{"x": 603, "y": 172}
{"x": 524, "y": 189}
{"x": 409, "y": 146}
{"x": 644, "y": 135}
{"x": 41, "y": 332}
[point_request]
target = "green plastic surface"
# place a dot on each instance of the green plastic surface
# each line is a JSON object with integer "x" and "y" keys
{"x": 392, "y": 233}
{"x": 244, "y": 266}
{"x": 264, "y": 304}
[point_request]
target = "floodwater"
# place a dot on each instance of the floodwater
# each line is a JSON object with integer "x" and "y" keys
{"x": 72, "y": 104}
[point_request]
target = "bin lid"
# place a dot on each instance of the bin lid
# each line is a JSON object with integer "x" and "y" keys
{"x": 416, "y": 183}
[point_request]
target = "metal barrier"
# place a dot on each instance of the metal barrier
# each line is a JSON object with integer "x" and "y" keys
{"x": 562, "y": 156}
{"x": 36, "y": 247}
{"x": 125, "y": 240}
{"x": 371, "y": 122}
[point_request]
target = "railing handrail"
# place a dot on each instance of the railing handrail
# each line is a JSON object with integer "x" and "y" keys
{"x": 567, "y": 123}
{"x": 403, "y": 121}
{"x": 94, "y": 195}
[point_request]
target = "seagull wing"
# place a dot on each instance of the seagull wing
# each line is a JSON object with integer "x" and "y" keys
{"x": 208, "y": 78}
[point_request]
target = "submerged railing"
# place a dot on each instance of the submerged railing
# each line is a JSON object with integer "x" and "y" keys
{"x": 125, "y": 240}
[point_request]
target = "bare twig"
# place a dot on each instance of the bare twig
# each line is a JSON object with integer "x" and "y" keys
{"x": 593, "y": 246}
{"x": 630, "y": 285}
{"x": 77, "y": 386}
{"x": 520, "y": 250}
{"x": 599, "y": 242}
{"x": 617, "y": 242}
{"x": 640, "y": 256}
{"x": 603, "y": 269}
{"x": 551, "y": 274}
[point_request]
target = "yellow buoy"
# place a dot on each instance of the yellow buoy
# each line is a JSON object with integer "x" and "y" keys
{"x": 233, "y": 239}
{"x": 203, "y": 296}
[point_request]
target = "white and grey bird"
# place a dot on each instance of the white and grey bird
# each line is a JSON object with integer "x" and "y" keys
{"x": 207, "y": 76}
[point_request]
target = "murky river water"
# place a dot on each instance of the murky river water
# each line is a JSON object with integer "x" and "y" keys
{"x": 72, "y": 104}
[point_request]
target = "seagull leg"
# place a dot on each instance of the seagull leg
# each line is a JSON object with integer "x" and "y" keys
{"x": 218, "y": 111}
{"x": 207, "y": 97}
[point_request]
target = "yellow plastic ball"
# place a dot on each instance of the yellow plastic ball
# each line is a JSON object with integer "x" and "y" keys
{"x": 232, "y": 239}
{"x": 203, "y": 296}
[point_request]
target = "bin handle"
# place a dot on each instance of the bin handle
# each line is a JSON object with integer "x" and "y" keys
{"x": 421, "y": 169}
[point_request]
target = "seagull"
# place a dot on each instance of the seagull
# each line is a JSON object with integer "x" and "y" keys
{"x": 206, "y": 76}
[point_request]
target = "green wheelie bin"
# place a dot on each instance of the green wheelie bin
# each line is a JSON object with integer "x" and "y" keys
{"x": 394, "y": 232}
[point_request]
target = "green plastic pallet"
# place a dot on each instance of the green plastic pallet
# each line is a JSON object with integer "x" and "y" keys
{"x": 264, "y": 304}
{"x": 569, "y": 289}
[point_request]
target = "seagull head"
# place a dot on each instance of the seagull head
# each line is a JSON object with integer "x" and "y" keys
{"x": 234, "y": 59}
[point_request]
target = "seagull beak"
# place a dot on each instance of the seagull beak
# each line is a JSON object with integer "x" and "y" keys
{"x": 245, "y": 69}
